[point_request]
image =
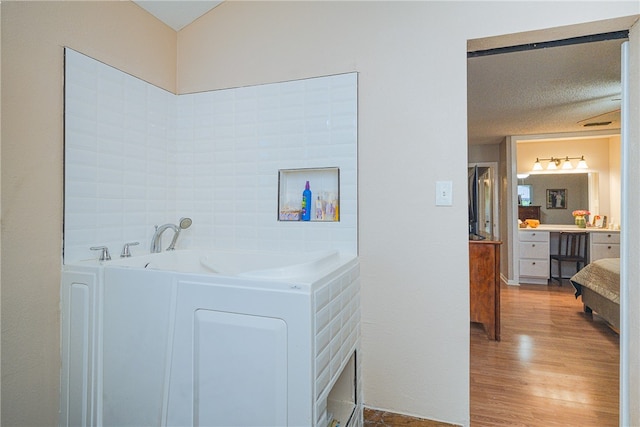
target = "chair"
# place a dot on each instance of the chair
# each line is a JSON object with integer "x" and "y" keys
{"x": 572, "y": 247}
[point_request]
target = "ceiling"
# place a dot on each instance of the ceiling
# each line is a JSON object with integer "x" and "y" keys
{"x": 540, "y": 91}
{"x": 177, "y": 13}
{"x": 543, "y": 91}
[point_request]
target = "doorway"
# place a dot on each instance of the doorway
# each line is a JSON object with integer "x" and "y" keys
{"x": 508, "y": 189}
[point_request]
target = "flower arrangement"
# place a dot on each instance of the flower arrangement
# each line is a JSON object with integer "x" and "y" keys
{"x": 580, "y": 212}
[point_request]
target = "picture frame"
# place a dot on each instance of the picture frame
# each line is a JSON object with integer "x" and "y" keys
{"x": 599, "y": 221}
{"x": 556, "y": 198}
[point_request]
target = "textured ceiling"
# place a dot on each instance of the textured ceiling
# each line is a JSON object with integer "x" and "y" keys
{"x": 550, "y": 90}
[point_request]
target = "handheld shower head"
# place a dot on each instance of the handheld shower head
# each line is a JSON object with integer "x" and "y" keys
{"x": 185, "y": 223}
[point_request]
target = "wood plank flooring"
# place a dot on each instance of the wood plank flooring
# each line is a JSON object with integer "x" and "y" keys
{"x": 555, "y": 365}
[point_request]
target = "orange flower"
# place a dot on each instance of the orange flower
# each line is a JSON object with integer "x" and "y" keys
{"x": 580, "y": 213}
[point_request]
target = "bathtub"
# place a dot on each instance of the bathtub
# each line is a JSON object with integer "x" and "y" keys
{"x": 300, "y": 267}
{"x": 216, "y": 338}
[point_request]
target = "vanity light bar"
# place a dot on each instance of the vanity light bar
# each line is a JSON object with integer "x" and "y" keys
{"x": 554, "y": 162}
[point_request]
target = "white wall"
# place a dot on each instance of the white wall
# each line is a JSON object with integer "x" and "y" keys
{"x": 137, "y": 156}
{"x": 484, "y": 153}
{"x": 33, "y": 36}
{"x": 412, "y": 132}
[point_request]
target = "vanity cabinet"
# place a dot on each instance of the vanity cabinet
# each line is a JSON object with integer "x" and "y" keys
{"x": 533, "y": 260}
{"x": 484, "y": 285}
{"x": 604, "y": 244}
{"x": 537, "y": 244}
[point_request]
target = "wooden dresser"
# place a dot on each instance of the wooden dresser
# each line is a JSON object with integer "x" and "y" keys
{"x": 528, "y": 212}
{"x": 484, "y": 286}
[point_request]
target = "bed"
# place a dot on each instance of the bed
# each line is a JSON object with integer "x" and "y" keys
{"x": 598, "y": 283}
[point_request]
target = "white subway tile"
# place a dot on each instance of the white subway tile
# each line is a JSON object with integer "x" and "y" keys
{"x": 216, "y": 154}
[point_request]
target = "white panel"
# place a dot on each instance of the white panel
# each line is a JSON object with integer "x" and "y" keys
{"x": 534, "y": 236}
{"x": 79, "y": 352}
{"x": 534, "y": 268}
{"x": 137, "y": 306}
{"x": 604, "y": 237}
{"x": 534, "y": 250}
{"x": 233, "y": 387}
{"x": 601, "y": 250}
{"x": 233, "y": 297}
{"x": 79, "y": 377}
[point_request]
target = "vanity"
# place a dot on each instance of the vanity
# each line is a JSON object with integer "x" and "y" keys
{"x": 550, "y": 194}
{"x": 536, "y": 244}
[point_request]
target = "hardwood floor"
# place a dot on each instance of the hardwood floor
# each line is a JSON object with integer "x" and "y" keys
{"x": 555, "y": 365}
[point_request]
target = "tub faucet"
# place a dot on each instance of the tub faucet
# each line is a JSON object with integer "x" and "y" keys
{"x": 126, "y": 252}
{"x": 104, "y": 252}
{"x": 156, "y": 240}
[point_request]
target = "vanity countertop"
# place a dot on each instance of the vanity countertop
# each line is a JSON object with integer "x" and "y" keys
{"x": 568, "y": 227}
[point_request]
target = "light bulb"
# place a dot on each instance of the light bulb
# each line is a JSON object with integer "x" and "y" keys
{"x": 582, "y": 164}
{"x": 552, "y": 165}
{"x": 537, "y": 166}
{"x": 567, "y": 164}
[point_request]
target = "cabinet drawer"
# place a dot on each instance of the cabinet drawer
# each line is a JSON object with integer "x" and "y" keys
{"x": 603, "y": 250}
{"x": 534, "y": 268}
{"x": 534, "y": 250}
{"x": 599, "y": 237}
{"x": 534, "y": 236}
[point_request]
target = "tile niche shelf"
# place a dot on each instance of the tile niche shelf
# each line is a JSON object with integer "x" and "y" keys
{"x": 324, "y": 184}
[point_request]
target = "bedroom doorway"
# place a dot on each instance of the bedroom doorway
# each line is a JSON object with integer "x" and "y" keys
{"x": 508, "y": 195}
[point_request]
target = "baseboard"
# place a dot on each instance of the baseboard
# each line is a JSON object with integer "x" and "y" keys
{"x": 506, "y": 281}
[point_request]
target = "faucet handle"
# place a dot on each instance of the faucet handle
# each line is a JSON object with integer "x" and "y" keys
{"x": 104, "y": 255}
{"x": 126, "y": 253}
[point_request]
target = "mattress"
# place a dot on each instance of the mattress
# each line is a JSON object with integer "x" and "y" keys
{"x": 601, "y": 276}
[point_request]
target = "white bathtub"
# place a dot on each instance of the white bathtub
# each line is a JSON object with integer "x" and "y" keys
{"x": 301, "y": 266}
{"x": 210, "y": 338}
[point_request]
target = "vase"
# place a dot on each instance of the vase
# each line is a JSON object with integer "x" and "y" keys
{"x": 580, "y": 221}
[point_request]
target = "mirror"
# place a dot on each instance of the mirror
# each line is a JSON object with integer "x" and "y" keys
{"x": 602, "y": 153}
{"x": 558, "y": 195}
{"x": 525, "y": 195}
{"x": 483, "y": 199}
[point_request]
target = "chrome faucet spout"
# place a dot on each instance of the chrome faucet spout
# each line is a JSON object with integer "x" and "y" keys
{"x": 172, "y": 245}
{"x": 156, "y": 240}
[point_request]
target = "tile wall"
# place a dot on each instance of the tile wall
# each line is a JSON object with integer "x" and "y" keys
{"x": 137, "y": 156}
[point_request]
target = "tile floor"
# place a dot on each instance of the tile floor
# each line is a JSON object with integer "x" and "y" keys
{"x": 375, "y": 418}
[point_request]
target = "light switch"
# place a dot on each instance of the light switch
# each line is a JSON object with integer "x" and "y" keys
{"x": 444, "y": 193}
